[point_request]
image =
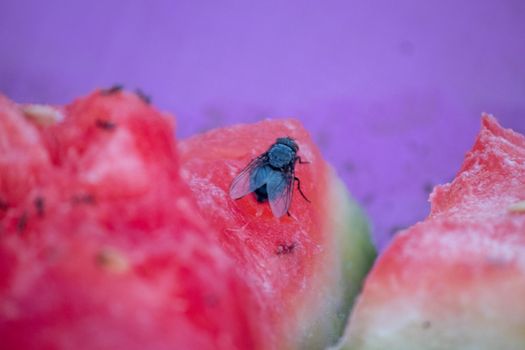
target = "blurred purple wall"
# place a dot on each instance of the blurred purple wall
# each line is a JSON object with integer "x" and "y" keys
{"x": 391, "y": 90}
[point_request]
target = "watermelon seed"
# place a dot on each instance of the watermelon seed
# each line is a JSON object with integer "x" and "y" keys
{"x": 112, "y": 260}
{"x": 518, "y": 208}
{"x": 22, "y": 222}
{"x": 284, "y": 248}
{"x": 145, "y": 98}
{"x": 106, "y": 125}
{"x": 112, "y": 90}
{"x": 39, "y": 203}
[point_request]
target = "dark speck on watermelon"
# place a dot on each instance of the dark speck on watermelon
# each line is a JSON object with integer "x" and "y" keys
{"x": 22, "y": 222}
{"x": 304, "y": 269}
{"x": 285, "y": 248}
{"x": 145, "y": 98}
{"x": 121, "y": 259}
{"x": 106, "y": 124}
{"x": 40, "y": 203}
{"x": 116, "y": 236}
{"x": 112, "y": 90}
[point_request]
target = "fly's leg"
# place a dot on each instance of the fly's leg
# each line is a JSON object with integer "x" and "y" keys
{"x": 298, "y": 158}
{"x": 299, "y": 188}
{"x": 291, "y": 216}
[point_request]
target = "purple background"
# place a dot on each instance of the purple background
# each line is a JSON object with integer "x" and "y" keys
{"x": 391, "y": 90}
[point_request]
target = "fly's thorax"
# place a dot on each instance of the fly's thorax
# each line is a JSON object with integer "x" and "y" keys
{"x": 281, "y": 156}
{"x": 288, "y": 141}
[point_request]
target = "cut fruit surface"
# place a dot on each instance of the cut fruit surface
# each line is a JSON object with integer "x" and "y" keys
{"x": 456, "y": 280}
{"x": 101, "y": 244}
{"x": 305, "y": 268}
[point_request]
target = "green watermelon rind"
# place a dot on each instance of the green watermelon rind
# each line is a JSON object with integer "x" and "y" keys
{"x": 356, "y": 253}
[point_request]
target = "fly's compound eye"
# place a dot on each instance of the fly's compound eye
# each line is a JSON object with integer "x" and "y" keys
{"x": 288, "y": 141}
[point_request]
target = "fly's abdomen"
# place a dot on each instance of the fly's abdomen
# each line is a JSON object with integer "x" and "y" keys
{"x": 261, "y": 194}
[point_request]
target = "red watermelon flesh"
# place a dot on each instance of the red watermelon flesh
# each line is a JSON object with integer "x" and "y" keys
{"x": 101, "y": 244}
{"x": 303, "y": 269}
{"x": 456, "y": 280}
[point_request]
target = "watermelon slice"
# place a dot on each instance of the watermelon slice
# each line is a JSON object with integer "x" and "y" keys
{"x": 304, "y": 269}
{"x": 456, "y": 280}
{"x": 101, "y": 244}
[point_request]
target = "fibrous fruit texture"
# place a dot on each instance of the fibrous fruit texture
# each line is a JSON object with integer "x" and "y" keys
{"x": 455, "y": 281}
{"x": 111, "y": 239}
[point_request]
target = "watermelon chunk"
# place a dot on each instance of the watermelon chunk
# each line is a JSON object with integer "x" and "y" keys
{"x": 456, "y": 280}
{"x": 303, "y": 269}
{"x": 101, "y": 244}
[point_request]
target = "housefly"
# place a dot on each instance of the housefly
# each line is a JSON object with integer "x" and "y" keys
{"x": 271, "y": 176}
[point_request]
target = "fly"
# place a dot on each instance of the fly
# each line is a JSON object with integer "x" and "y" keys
{"x": 271, "y": 176}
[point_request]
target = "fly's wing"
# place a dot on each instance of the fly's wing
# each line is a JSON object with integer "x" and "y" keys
{"x": 280, "y": 187}
{"x": 250, "y": 178}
